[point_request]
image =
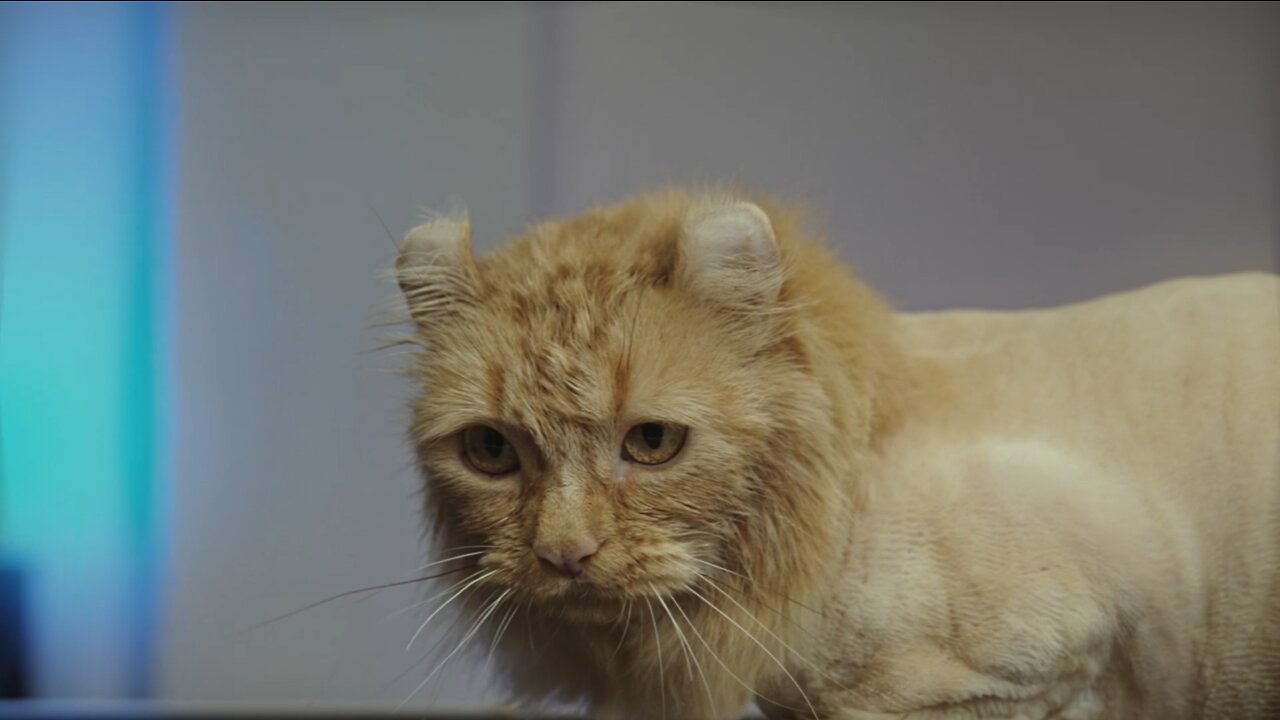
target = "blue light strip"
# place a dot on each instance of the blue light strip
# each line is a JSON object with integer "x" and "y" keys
{"x": 156, "y": 196}
{"x": 83, "y": 217}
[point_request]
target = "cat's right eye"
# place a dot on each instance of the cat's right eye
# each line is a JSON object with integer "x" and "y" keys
{"x": 653, "y": 443}
{"x": 488, "y": 451}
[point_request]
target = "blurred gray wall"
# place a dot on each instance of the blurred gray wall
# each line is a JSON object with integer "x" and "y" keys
{"x": 985, "y": 155}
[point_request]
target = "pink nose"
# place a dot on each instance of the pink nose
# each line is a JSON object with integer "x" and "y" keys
{"x": 568, "y": 558}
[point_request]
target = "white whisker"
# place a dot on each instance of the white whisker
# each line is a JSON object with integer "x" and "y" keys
{"x": 626, "y": 610}
{"x": 528, "y": 626}
{"x": 679, "y": 636}
{"x": 690, "y": 653}
{"x": 662, "y": 675}
{"x": 732, "y": 674}
{"x": 449, "y": 559}
{"x": 433, "y": 598}
{"x": 497, "y": 638}
{"x": 466, "y": 638}
{"x": 817, "y": 668}
{"x": 720, "y": 568}
{"x": 444, "y": 605}
{"x": 766, "y": 650}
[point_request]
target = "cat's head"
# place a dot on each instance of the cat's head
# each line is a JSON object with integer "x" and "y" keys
{"x": 610, "y": 405}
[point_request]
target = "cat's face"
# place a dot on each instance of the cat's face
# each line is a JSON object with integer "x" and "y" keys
{"x": 599, "y": 399}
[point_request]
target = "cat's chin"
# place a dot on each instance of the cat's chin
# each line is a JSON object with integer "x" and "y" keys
{"x": 587, "y": 607}
{"x": 593, "y": 614}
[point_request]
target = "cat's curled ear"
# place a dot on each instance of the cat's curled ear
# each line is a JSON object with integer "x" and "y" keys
{"x": 729, "y": 256}
{"x": 435, "y": 268}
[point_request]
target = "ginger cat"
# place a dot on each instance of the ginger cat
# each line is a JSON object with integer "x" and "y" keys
{"x": 686, "y": 460}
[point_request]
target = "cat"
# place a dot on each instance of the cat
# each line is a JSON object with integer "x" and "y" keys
{"x": 687, "y": 460}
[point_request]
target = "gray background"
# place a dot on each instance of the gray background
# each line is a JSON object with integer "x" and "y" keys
{"x": 960, "y": 155}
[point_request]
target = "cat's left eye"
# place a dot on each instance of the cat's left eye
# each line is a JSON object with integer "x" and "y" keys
{"x": 653, "y": 443}
{"x": 489, "y": 451}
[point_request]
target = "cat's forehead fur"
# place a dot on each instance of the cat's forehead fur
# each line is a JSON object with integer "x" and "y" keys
{"x": 582, "y": 322}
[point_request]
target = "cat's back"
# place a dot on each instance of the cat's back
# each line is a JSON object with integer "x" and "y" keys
{"x": 1173, "y": 388}
{"x": 1166, "y": 400}
{"x": 1185, "y": 311}
{"x": 1194, "y": 360}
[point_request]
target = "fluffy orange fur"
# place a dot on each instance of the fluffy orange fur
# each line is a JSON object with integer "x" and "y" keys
{"x": 718, "y": 575}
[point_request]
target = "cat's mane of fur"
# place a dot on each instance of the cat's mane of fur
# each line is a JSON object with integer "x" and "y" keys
{"x": 833, "y": 332}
